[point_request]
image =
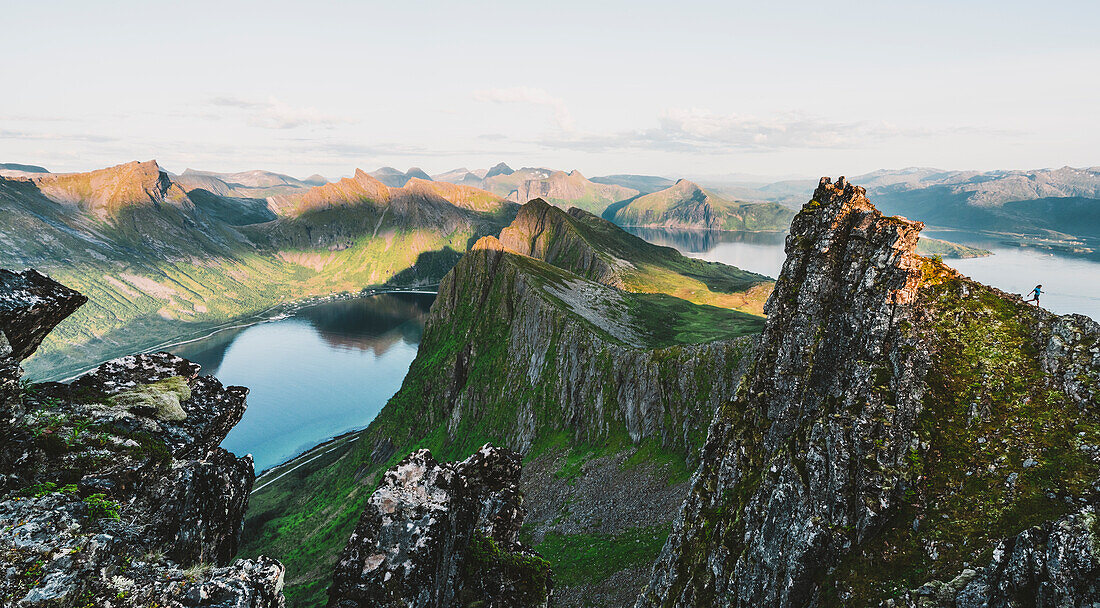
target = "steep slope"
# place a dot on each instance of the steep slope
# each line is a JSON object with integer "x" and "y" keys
{"x": 901, "y": 424}
{"x": 600, "y": 251}
{"x": 606, "y": 392}
{"x": 113, "y": 490}
{"x": 107, "y": 192}
{"x": 161, "y": 265}
{"x": 556, "y": 187}
{"x": 686, "y": 205}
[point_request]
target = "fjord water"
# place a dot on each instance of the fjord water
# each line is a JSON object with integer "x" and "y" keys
{"x": 327, "y": 369}
{"x": 1071, "y": 284}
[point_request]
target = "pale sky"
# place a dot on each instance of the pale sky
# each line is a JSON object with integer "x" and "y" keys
{"x": 672, "y": 88}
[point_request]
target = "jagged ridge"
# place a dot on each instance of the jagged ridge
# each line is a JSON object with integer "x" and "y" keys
{"x": 878, "y": 439}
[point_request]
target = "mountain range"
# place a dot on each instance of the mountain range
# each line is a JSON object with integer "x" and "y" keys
{"x": 556, "y": 314}
{"x": 895, "y": 432}
{"x": 162, "y": 262}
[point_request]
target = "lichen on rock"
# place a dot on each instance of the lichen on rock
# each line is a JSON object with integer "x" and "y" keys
{"x": 441, "y": 535}
{"x": 900, "y": 425}
{"x": 114, "y": 491}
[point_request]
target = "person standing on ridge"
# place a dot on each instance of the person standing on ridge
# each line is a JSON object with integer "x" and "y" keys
{"x": 1035, "y": 293}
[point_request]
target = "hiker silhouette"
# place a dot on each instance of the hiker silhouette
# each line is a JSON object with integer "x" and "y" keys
{"x": 1035, "y": 293}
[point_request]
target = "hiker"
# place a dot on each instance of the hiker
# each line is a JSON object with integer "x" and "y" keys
{"x": 1035, "y": 293}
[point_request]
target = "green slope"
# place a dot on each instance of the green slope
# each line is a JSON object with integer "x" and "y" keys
{"x": 686, "y": 205}
{"x": 161, "y": 266}
{"x": 532, "y": 355}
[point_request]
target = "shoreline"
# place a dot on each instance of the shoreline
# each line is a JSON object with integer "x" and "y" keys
{"x": 272, "y": 313}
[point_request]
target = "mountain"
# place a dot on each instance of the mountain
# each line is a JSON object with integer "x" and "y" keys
{"x": 686, "y": 205}
{"x": 113, "y": 489}
{"x": 905, "y": 436}
{"x": 316, "y": 180}
{"x": 498, "y": 169}
{"x": 245, "y": 184}
{"x": 1049, "y": 208}
{"x": 462, "y": 176}
{"x": 160, "y": 264}
{"x": 557, "y": 188}
{"x": 642, "y": 183}
{"x": 396, "y": 179}
{"x": 20, "y": 170}
{"x": 562, "y": 339}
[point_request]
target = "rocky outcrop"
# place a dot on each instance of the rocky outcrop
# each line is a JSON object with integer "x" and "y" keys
{"x": 114, "y": 489}
{"x": 441, "y": 535}
{"x": 794, "y": 459}
{"x": 898, "y": 423}
{"x": 1055, "y": 564}
{"x": 30, "y": 306}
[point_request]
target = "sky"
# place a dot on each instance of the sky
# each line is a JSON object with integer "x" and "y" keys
{"x": 681, "y": 89}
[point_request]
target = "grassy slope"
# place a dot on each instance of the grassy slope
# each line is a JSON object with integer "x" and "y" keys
{"x": 680, "y": 205}
{"x": 161, "y": 274}
{"x": 656, "y": 269}
{"x": 987, "y": 353}
{"x": 946, "y": 249}
{"x": 305, "y": 517}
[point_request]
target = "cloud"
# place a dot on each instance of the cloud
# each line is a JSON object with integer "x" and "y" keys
{"x": 527, "y": 95}
{"x": 274, "y": 114}
{"x": 32, "y": 136}
{"x": 702, "y": 131}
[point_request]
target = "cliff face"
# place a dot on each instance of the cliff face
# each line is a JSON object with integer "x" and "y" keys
{"x": 541, "y": 231}
{"x": 607, "y": 393}
{"x": 899, "y": 425}
{"x": 443, "y": 534}
{"x": 504, "y": 342}
{"x": 111, "y": 486}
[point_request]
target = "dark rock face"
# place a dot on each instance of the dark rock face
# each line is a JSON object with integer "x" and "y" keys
{"x": 836, "y": 472}
{"x": 1056, "y": 564}
{"x": 441, "y": 535}
{"x": 31, "y": 304}
{"x": 113, "y": 489}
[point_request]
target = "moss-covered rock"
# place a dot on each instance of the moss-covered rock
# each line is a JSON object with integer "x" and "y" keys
{"x": 161, "y": 398}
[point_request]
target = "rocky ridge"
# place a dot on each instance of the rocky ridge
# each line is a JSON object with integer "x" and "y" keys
{"x": 113, "y": 490}
{"x": 607, "y": 392}
{"x": 443, "y": 534}
{"x": 900, "y": 425}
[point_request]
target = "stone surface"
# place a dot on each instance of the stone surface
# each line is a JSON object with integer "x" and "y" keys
{"x": 440, "y": 535}
{"x": 813, "y": 471}
{"x": 121, "y": 502}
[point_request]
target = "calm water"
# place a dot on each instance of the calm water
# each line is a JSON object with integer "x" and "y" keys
{"x": 326, "y": 370}
{"x": 1071, "y": 284}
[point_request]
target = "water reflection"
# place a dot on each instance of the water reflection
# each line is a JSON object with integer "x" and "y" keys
{"x": 760, "y": 252}
{"x": 1071, "y": 283}
{"x": 326, "y": 370}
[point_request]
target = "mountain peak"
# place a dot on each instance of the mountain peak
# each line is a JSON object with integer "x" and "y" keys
{"x": 499, "y": 169}
{"x": 104, "y": 192}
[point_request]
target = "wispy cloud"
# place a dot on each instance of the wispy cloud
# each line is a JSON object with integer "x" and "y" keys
{"x": 696, "y": 130}
{"x": 274, "y": 114}
{"x": 38, "y": 136}
{"x": 527, "y": 95}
